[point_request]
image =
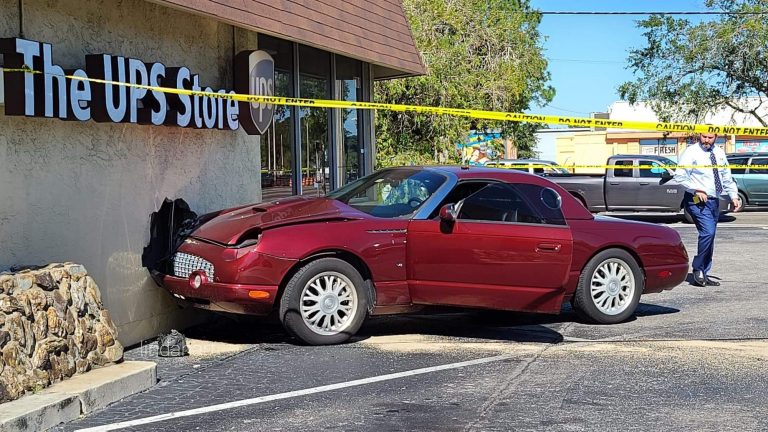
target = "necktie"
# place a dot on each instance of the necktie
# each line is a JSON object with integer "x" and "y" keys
{"x": 718, "y": 183}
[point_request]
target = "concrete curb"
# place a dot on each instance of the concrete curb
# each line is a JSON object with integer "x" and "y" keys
{"x": 68, "y": 400}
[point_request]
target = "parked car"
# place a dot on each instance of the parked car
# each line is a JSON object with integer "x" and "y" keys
{"x": 752, "y": 182}
{"x": 628, "y": 189}
{"x": 533, "y": 166}
{"x": 402, "y": 238}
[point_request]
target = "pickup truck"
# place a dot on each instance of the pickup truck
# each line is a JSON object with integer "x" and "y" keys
{"x": 627, "y": 189}
{"x": 752, "y": 180}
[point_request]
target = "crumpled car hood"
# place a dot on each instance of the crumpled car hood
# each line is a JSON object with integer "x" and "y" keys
{"x": 230, "y": 225}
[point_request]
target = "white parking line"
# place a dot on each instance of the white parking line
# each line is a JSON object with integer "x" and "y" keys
{"x": 296, "y": 393}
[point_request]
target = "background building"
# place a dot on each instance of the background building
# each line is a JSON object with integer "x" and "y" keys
{"x": 579, "y": 147}
{"x": 546, "y": 141}
{"x": 83, "y": 190}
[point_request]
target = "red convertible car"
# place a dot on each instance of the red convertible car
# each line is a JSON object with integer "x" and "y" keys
{"x": 405, "y": 237}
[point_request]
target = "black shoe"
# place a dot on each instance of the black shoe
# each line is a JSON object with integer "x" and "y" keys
{"x": 711, "y": 282}
{"x": 699, "y": 278}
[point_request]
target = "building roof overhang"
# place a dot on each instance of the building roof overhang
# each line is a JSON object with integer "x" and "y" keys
{"x": 374, "y": 32}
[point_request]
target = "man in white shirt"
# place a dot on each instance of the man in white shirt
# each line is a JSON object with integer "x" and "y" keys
{"x": 705, "y": 174}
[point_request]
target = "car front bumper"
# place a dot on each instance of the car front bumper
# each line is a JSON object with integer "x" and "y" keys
{"x": 224, "y": 297}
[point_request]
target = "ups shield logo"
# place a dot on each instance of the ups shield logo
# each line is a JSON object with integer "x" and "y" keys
{"x": 255, "y": 75}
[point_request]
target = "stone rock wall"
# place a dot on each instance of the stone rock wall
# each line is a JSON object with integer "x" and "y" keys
{"x": 52, "y": 326}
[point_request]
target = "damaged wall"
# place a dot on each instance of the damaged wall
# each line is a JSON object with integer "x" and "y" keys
{"x": 83, "y": 191}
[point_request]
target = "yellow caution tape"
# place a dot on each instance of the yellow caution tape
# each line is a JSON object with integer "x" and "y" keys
{"x": 479, "y": 114}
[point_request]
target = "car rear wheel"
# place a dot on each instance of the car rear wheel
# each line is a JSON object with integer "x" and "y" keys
{"x": 324, "y": 303}
{"x": 609, "y": 288}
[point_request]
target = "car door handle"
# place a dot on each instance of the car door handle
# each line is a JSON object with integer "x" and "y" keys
{"x": 644, "y": 183}
{"x": 548, "y": 247}
{"x": 615, "y": 184}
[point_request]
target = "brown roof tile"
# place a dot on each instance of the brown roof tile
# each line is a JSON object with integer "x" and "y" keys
{"x": 373, "y": 31}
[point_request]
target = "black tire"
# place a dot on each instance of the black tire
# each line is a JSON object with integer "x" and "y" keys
{"x": 687, "y": 218}
{"x": 743, "y": 199}
{"x": 348, "y": 323}
{"x": 585, "y": 304}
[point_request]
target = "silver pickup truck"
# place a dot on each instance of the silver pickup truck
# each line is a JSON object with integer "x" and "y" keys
{"x": 627, "y": 189}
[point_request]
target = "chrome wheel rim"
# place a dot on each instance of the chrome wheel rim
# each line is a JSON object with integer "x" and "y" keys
{"x": 612, "y": 286}
{"x": 328, "y": 303}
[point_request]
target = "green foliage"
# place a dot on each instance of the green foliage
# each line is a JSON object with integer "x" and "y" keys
{"x": 688, "y": 70}
{"x": 479, "y": 54}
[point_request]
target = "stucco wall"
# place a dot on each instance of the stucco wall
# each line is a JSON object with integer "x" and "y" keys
{"x": 546, "y": 141}
{"x": 83, "y": 192}
{"x": 585, "y": 148}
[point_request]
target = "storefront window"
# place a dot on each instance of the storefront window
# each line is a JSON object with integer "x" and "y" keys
{"x": 277, "y": 143}
{"x": 348, "y": 136}
{"x": 749, "y": 146}
{"x": 312, "y": 150}
{"x": 659, "y": 147}
{"x": 314, "y": 83}
{"x": 720, "y": 142}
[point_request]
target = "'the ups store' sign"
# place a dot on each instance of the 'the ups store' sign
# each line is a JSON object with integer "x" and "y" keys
{"x": 50, "y": 94}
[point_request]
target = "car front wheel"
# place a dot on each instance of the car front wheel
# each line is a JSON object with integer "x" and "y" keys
{"x": 687, "y": 217}
{"x": 609, "y": 288}
{"x": 324, "y": 303}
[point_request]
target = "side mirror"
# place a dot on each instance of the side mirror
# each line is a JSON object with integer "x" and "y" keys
{"x": 666, "y": 175}
{"x": 449, "y": 213}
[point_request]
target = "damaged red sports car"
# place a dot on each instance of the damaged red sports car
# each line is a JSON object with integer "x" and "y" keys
{"x": 406, "y": 237}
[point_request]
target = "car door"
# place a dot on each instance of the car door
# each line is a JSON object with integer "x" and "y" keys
{"x": 506, "y": 250}
{"x": 621, "y": 185}
{"x": 756, "y": 181}
{"x": 656, "y": 193}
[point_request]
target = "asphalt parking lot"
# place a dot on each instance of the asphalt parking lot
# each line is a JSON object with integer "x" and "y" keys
{"x": 693, "y": 359}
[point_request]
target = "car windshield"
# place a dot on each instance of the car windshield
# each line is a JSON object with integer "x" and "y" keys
{"x": 390, "y": 193}
{"x": 669, "y": 163}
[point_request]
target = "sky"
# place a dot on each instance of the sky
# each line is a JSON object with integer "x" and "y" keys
{"x": 588, "y": 54}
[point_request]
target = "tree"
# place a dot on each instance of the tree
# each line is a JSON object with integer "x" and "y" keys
{"x": 688, "y": 70}
{"x": 479, "y": 54}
